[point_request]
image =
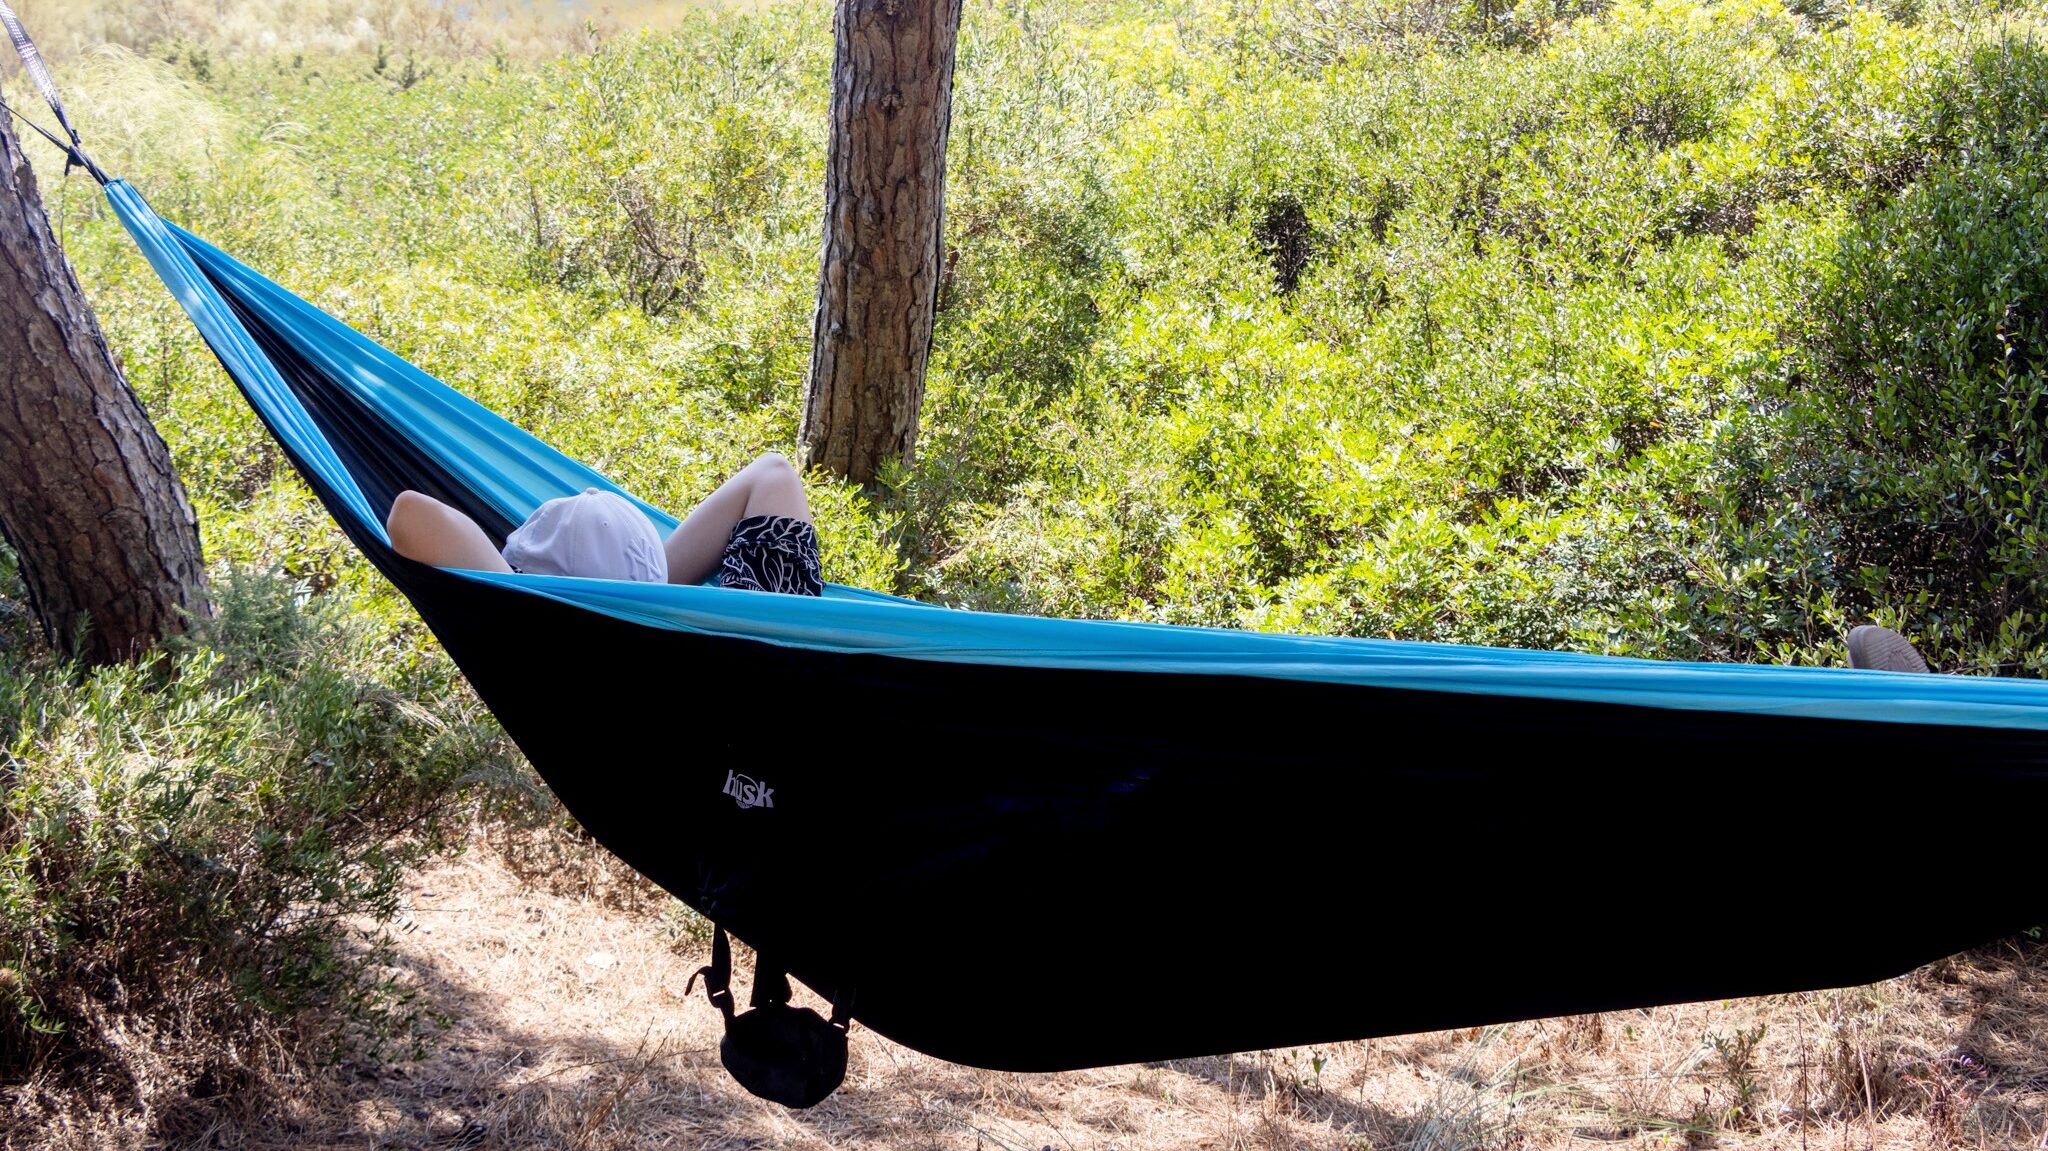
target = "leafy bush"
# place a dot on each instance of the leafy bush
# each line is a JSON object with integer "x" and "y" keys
{"x": 1274, "y": 315}
{"x": 205, "y": 849}
{"x": 656, "y": 176}
{"x": 1916, "y": 425}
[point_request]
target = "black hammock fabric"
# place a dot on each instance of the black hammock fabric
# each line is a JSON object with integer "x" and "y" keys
{"x": 1042, "y": 844}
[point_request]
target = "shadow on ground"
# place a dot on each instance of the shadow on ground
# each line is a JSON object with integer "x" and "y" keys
{"x": 567, "y": 1028}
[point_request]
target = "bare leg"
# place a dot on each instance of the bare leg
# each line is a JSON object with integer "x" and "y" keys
{"x": 425, "y": 529}
{"x": 767, "y": 487}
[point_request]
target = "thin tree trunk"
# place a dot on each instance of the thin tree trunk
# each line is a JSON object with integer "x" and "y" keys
{"x": 106, "y": 542}
{"x": 885, "y": 172}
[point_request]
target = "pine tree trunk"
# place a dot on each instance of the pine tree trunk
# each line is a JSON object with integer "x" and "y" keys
{"x": 885, "y": 172}
{"x": 105, "y": 541}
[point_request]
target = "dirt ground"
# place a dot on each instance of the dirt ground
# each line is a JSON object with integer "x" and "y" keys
{"x": 568, "y": 1027}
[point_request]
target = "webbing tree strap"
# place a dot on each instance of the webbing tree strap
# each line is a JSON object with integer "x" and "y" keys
{"x": 39, "y": 74}
{"x": 717, "y": 974}
{"x": 771, "y": 983}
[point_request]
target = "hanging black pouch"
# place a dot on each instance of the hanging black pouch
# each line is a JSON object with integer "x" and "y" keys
{"x": 784, "y": 1054}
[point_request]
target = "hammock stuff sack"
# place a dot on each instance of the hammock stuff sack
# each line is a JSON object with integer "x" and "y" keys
{"x": 1035, "y": 844}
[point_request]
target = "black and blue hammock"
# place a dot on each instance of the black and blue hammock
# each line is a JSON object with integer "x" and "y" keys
{"x": 1036, "y": 844}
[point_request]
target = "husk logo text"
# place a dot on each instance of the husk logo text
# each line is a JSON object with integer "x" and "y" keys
{"x": 747, "y": 792}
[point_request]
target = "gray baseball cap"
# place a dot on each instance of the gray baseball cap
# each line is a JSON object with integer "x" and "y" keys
{"x": 596, "y": 534}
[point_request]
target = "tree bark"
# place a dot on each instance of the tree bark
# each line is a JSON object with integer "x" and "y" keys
{"x": 105, "y": 540}
{"x": 885, "y": 172}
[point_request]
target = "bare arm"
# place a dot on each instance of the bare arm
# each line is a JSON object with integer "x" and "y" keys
{"x": 425, "y": 529}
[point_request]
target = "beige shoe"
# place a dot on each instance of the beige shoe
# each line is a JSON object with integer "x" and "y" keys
{"x": 1882, "y": 649}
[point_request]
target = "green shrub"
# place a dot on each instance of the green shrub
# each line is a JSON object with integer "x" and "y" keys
{"x": 667, "y": 164}
{"x": 1438, "y": 320}
{"x": 207, "y": 847}
{"x": 1915, "y": 426}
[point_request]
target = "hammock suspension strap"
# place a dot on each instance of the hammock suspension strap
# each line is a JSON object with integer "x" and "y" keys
{"x": 39, "y": 74}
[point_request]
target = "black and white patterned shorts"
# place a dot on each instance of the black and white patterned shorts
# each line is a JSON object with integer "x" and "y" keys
{"x": 772, "y": 553}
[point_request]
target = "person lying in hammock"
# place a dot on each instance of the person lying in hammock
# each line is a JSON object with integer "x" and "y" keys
{"x": 755, "y": 532}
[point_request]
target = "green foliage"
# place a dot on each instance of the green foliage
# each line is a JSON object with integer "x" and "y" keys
{"x": 1489, "y": 346}
{"x": 215, "y": 839}
{"x": 1664, "y": 327}
{"x": 666, "y": 171}
{"x": 1915, "y": 429}
{"x": 1733, "y": 1057}
{"x": 1557, "y": 325}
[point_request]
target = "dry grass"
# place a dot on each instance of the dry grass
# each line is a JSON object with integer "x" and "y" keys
{"x": 567, "y": 1028}
{"x": 174, "y": 1077}
{"x": 527, "y": 29}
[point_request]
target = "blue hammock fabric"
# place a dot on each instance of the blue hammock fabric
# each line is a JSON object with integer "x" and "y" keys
{"x": 1036, "y": 844}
